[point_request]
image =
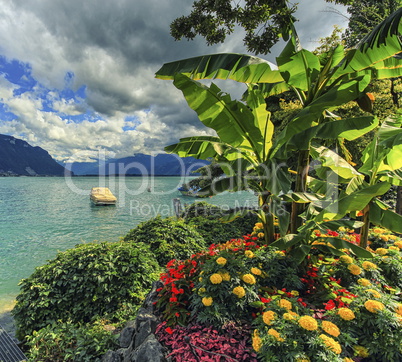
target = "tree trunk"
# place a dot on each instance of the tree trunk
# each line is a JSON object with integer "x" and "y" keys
{"x": 398, "y": 207}
{"x": 301, "y": 185}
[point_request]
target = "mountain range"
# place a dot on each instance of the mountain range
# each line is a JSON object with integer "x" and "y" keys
{"x": 139, "y": 165}
{"x": 19, "y": 158}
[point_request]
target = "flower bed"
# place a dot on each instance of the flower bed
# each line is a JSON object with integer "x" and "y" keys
{"x": 245, "y": 301}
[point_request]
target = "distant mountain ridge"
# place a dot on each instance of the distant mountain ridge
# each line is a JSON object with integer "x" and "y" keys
{"x": 19, "y": 158}
{"x": 139, "y": 165}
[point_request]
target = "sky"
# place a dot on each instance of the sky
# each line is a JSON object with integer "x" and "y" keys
{"x": 77, "y": 76}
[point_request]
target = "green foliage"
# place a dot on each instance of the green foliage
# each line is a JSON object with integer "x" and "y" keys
{"x": 234, "y": 276}
{"x": 85, "y": 282}
{"x": 205, "y": 218}
{"x": 364, "y": 15}
{"x": 168, "y": 238}
{"x": 264, "y": 24}
{"x": 66, "y": 341}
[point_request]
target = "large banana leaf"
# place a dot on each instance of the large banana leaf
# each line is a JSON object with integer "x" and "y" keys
{"x": 330, "y": 160}
{"x": 203, "y": 147}
{"x": 310, "y": 115}
{"x": 376, "y": 48}
{"x": 232, "y": 120}
{"x": 349, "y": 129}
{"x": 238, "y": 67}
{"x": 299, "y": 69}
{"x": 384, "y": 153}
{"x": 385, "y": 218}
{"x": 354, "y": 202}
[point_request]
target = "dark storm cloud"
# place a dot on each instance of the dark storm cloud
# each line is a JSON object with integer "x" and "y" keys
{"x": 113, "y": 49}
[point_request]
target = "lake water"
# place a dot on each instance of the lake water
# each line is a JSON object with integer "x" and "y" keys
{"x": 41, "y": 216}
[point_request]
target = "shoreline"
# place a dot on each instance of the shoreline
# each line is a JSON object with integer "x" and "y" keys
{"x": 7, "y": 320}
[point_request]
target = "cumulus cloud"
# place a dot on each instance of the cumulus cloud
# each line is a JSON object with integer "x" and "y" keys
{"x": 91, "y": 67}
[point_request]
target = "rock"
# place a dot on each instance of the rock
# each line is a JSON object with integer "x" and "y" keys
{"x": 111, "y": 356}
{"x": 149, "y": 351}
{"x": 127, "y": 334}
{"x": 152, "y": 296}
{"x": 144, "y": 331}
{"x": 137, "y": 340}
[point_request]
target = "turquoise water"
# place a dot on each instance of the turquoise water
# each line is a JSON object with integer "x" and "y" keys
{"x": 41, "y": 216}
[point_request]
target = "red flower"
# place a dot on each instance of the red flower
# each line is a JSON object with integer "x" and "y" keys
{"x": 330, "y": 305}
{"x": 169, "y": 330}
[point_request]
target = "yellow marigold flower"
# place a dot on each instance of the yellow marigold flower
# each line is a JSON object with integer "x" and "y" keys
{"x": 398, "y": 309}
{"x": 384, "y": 238}
{"x": 288, "y": 316}
{"x": 249, "y": 254}
{"x": 341, "y": 229}
{"x": 381, "y": 251}
{"x": 256, "y": 271}
{"x": 308, "y": 323}
{"x": 364, "y": 282}
{"x": 200, "y": 279}
{"x": 248, "y": 278}
{"x": 392, "y": 237}
{"x": 398, "y": 244}
{"x": 368, "y": 265}
{"x": 260, "y": 235}
{"x": 207, "y": 301}
{"x": 378, "y": 230}
{"x": 330, "y": 328}
{"x": 257, "y": 342}
{"x": 225, "y": 276}
{"x": 374, "y": 293}
{"x": 276, "y": 334}
{"x": 284, "y": 303}
{"x": 347, "y": 359}
{"x": 373, "y": 306}
{"x": 239, "y": 291}
{"x": 295, "y": 293}
{"x": 346, "y": 259}
{"x": 221, "y": 261}
{"x": 393, "y": 248}
{"x": 354, "y": 269}
{"x": 280, "y": 252}
{"x": 268, "y": 317}
{"x": 259, "y": 225}
{"x": 215, "y": 278}
{"x": 331, "y": 343}
{"x": 361, "y": 351}
{"x": 346, "y": 314}
{"x": 201, "y": 291}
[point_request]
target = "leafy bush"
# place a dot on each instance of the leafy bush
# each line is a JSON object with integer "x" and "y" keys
{"x": 65, "y": 341}
{"x": 205, "y": 218}
{"x": 84, "y": 282}
{"x": 337, "y": 308}
{"x": 200, "y": 343}
{"x": 167, "y": 238}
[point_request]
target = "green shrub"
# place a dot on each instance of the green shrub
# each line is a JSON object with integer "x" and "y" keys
{"x": 205, "y": 218}
{"x": 87, "y": 281}
{"x": 168, "y": 238}
{"x": 65, "y": 341}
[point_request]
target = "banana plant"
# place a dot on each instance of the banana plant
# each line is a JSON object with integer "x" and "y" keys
{"x": 321, "y": 83}
{"x": 382, "y": 165}
{"x": 244, "y": 138}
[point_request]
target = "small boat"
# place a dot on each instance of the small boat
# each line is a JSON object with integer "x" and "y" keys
{"x": 102, "y": 196}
